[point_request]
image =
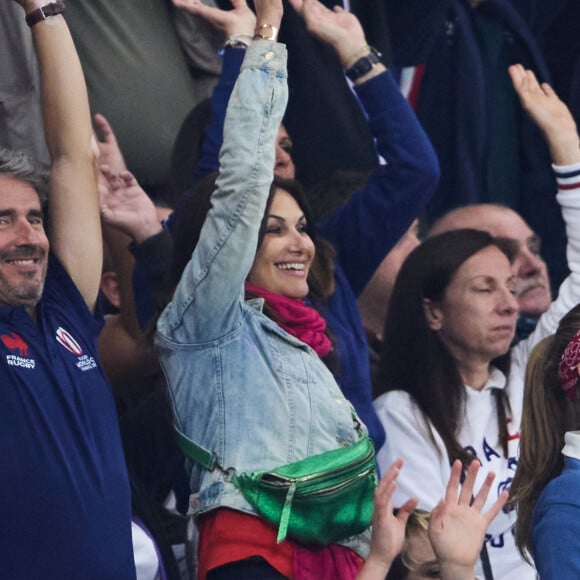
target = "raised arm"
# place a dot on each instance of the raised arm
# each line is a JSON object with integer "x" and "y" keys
{"x": 549, "y": 113}
{"x": 557, "y": 125}
{"x": 74, "y": 225}
{"x": 371, "y": 223}
{"x": 208, "y": 296}
{"x": 238, "y": 27}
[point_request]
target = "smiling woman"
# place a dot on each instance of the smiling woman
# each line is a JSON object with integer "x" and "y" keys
{"x": 286, "y": 252}
{"x": 242, "y": 350}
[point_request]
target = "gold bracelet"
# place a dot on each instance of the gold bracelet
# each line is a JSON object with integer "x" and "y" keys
{"x": 273, "y": 35}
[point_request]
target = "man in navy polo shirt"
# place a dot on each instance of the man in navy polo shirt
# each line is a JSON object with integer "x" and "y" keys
{"x": 64, "y": 493}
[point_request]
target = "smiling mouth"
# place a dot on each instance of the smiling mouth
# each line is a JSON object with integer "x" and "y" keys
{"x": 294, "y": 266}
{"x": 23, "y": 262}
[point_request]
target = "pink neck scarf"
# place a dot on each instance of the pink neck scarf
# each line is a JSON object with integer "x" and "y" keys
{"x": 297, "y": 319}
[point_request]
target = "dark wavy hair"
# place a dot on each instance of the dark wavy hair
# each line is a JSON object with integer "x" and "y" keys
{"x": 196, "y": 205}
{"x": 414, "y": 359}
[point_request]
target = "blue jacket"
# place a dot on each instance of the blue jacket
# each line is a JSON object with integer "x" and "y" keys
{"x": 367, "y": 227}
{"x": 242, "y": 387}
{"x": 556, "y": 525}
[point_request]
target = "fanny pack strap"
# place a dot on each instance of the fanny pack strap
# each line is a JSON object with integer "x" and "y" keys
{"x": 196, "y": 453}
{"x": 208, "y": 460}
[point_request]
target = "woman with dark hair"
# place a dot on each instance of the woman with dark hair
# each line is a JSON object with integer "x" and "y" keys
{"x": 549, "y": 465}
{"x": 453, "y": 387}
{"x": 249, "y": 389}
{"x": 452, "y": 313}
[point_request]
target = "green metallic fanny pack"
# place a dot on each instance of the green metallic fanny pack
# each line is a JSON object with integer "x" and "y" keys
{"x": 319, "y": 500}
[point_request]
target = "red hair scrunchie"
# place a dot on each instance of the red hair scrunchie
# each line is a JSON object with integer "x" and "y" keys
{"x": 567, "y": 371}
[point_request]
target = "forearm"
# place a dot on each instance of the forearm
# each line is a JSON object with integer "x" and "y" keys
{"x": 151, "y": 275}
{"x": 75, "y": 229}
{"x": 564, "y": 147}
{"x": 370, "y": 224}
{"x": 568, "y": 179}
{"x": 227, "y": 245}
{"x": 67, "y": 121}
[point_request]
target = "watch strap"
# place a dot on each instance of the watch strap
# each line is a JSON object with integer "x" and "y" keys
{"x": 364, "y": 64}
{"x": 44, "y": 12}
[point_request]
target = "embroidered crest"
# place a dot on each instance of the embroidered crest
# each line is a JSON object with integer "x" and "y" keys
{"x": 65, "y": 338}
{"x": 15, "y": 342}
{"x": 84, "y": 361}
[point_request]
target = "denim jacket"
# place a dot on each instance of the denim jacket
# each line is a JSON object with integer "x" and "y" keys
{"x": 241, "y": 386}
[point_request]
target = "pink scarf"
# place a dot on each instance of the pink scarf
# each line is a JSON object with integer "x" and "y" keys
{"x": 326, "y": 563}
{"x": 297, "y": 319}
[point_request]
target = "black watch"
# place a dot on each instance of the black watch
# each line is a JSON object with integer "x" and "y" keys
{"x": 364, "y": 64}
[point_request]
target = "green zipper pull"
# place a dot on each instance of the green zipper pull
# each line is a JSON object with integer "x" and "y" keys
{"x": 286, "y": 511}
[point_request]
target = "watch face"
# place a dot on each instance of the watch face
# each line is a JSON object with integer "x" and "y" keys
{"x": 363, "y": 65}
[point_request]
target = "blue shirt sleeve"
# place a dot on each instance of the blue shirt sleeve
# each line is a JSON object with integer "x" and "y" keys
{"x": 370, "y": 224}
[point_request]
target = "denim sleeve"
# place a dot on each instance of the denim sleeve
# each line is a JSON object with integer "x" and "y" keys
{"x": 370, "y": 224}
{"x": 208, "y": 299}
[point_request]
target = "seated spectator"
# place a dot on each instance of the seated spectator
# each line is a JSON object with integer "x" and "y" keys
{"x": 454, "y": 386}
{"x": 548, "y": 471}
{"x": 66, "y": 510}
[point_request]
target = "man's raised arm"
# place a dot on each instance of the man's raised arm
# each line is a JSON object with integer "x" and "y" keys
{"x": 74, "y": 225}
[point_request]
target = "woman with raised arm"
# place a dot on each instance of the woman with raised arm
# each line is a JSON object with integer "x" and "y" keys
{"x": 252, "y": 398}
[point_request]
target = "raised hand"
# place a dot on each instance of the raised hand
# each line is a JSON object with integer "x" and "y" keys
{"x": 457, "y": 527}
{"x": 550, "y": 114}
{"x": 338, "y": 28}
{"x": 388, "y": 530}
{"x": 240, "y": 21}
{"x": 125, "y": 206}
{"x": 110, "y": 154}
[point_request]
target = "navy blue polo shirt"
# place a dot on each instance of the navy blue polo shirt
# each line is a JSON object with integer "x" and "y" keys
{"x": 65, "y": 507}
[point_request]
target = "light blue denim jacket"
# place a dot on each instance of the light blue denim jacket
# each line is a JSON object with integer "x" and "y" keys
{"x": 241, "y": 386}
